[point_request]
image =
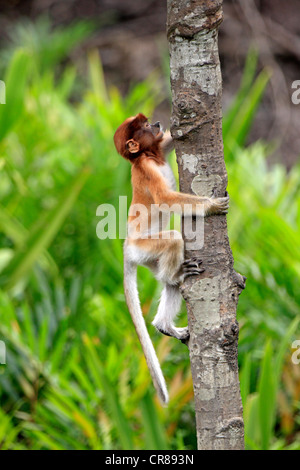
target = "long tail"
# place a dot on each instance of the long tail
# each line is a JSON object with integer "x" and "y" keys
{"x": 133, "y": 302}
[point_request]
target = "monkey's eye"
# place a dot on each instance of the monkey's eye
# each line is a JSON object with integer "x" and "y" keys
{"x": 147, "y": 124}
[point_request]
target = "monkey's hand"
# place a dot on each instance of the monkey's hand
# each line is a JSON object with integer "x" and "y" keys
{"x": 167, "y": 144}
{"x": 218, "y": 205}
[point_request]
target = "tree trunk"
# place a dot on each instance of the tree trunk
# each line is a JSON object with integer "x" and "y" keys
{"x": 212, "y": 297}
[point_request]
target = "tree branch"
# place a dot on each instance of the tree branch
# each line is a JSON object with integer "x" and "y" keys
{"x": 212, "y": 297}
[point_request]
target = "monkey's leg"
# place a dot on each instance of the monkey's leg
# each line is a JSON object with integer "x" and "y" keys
{"x": 168, "y": 251}
{"x": 170, "y": 302}
{"x": 169, "y": 306}
{"x": 172, "y": 270}
{"x": 163, "y": 254}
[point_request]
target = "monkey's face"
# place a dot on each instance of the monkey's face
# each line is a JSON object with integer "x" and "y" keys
{"x": 136, "y": 135}
{"x": 143, "y": 136}
{"x": 156, "y": 129}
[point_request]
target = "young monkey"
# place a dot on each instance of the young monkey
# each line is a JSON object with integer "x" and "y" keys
{"x": 153, "y": 183}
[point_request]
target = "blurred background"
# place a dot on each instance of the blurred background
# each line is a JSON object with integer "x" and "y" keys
{"x": 75, "y": 376}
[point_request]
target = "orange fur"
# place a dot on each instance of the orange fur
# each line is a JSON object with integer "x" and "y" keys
{"x": 144, "y": 145}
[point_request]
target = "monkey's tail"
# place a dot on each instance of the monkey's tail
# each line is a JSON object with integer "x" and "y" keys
{"x": 133, "y": 302}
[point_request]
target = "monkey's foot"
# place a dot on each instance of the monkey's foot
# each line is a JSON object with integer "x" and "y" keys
{"x": 179, "y": 333}
{"x": 191, "y": 267}
{"x": 184, "y": 334}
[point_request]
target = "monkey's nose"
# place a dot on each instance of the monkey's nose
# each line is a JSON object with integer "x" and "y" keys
{"x": 157, "y": 124}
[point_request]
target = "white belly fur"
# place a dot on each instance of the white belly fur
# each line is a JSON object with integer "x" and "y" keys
{"x": 167, "y": 173}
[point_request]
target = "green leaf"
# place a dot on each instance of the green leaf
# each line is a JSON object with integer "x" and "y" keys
{"x": 14, "y": 230}
{"x": 245, "y": 377}
{"x": 251, "y": 418}
{"x": 154, "y": 433}
{"x": 98, "y": 371}
{"x": 246, "y": 113}
{"x": 97, "y": 76}
{"x": 267, "y": 397}
{"x": 41, "y": 237}
{"x": 15, "y": 81}
{"x": 245, "y": 86}
{"x": 283, "y": 348}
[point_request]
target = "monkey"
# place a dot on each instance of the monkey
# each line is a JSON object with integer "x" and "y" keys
{"x": 145, "y": 145}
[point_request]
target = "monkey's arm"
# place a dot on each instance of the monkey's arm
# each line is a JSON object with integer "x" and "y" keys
{"x": 167, "y": 144}
{"x": 161, "y": 194}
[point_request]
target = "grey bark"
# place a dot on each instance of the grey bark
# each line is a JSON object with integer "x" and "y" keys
{"x": 212, "y": 297}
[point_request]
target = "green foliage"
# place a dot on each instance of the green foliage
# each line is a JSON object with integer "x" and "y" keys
{"x": 260, "y": 407}
{"x": 75, "y": 376}
{"x": 239, "y": 117}
{"x": 15, "y": 80}
{"x": 49, "y": 47}
{"x": 41, "y": 234}
{"x": 264, "y": 217}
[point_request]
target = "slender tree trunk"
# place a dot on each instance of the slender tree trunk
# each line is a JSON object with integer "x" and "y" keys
{"x": 212, "y": 297}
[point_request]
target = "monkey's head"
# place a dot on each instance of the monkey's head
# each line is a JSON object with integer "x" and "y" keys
{"x": 136, "y": 136}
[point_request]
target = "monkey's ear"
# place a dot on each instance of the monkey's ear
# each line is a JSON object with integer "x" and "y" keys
{"x": 133, "y": 146}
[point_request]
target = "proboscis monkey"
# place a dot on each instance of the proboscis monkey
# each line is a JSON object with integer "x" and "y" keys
{"x": 147, "y": 244}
